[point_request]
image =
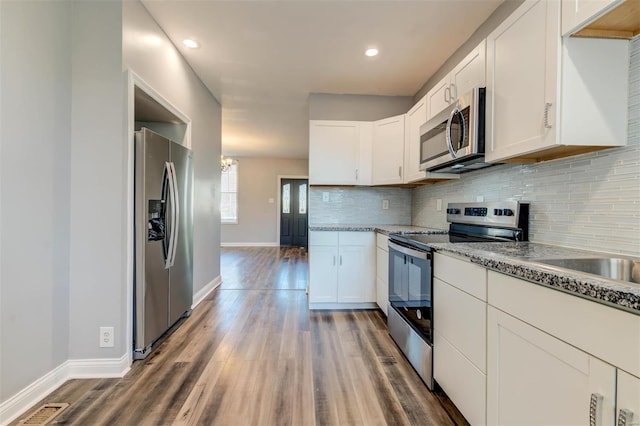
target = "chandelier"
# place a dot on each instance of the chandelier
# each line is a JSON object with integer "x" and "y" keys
{"x": 225, "y": 163}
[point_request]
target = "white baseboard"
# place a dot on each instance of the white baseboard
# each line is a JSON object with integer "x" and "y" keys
{"x": 204, "y": 291}
{"x": 98, "y": 368}
{"x": 276, "y": 244}
{"x": 71, "y": 369}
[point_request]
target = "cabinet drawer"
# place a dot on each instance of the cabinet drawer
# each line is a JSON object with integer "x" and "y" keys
{"x": 381, "y": 241}
{"x": 460, "y": 379}
{"x": 462, "y": 320}
{"x": 323, "y": 238}
{"x": 607, "y": 333}
{"x": 461, "y": 274}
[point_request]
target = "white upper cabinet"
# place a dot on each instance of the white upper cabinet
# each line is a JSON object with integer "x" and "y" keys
{"x": 335, "y": 151}
{"x": 577, "y": 13}
{"x": 388, "y": 151}
{"x": 545, "y": 96}
{"x": 469, "y": 73}
{"x": 413, "y": 119}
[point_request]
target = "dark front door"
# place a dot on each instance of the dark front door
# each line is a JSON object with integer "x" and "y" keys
{"x": 293, "y": 212}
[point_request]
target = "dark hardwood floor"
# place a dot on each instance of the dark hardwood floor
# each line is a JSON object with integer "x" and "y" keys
{"x": 253, "y": 354}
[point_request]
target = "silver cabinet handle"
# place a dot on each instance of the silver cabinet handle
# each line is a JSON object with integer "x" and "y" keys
{"x": 547, "y": 107}
{"x": 356, "y": 174}
{"x": 447, "y": 98}
{"x": 594, "y": 409}
{"x": 454, "y": 90}
{"x": 399, "y": 171}
{"x": 334, "y": 260}
{"x": 340, "y": 260}
{"x": 624, "y": 417}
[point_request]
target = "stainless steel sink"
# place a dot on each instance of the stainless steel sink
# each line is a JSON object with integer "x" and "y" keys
{"x": 611, "y": 268}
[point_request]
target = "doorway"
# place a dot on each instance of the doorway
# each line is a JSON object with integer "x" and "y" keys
{"x": 294, "y": 206}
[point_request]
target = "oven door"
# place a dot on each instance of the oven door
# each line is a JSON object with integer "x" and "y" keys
{"x": 410, "y": 287}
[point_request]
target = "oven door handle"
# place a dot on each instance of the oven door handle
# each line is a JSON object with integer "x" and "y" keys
{"x": 409, "y": 251}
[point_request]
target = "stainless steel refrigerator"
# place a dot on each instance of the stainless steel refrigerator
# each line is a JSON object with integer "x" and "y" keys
{"x": 163, "y": 237}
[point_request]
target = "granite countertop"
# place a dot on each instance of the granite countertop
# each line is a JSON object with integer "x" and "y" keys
{"x": 384, "y": 229}
{"x": 518, "y": 259}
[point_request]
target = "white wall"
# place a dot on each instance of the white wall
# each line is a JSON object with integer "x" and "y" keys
{"x": 64, "y": 183}
{"x": 325, "y": 106}
{"x": 35, "y": 82}
{"x": 148, "y": 52}
{"x": 98, "y": 181}
{"x": 257, "y": 183}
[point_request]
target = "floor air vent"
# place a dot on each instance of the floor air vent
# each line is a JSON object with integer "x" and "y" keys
{"x": 44, "y": 414}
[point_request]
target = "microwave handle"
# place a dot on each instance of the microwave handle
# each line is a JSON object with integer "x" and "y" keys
{"x": 455, "y": 111}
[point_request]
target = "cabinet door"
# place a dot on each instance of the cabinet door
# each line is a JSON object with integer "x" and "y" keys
{"x": 439, "y": 97}
{"x": 323, "y": 274}
{"x": 628, "y": 396}
{"x": 415, "y": 118}
{"x": 333, "y": 152}
{"x": 356, "y": 281}
{"x": 534, "y": 378}
{"x": 470, "y": 72}
{"x": 577, "y": 13}
{"x": 382, "y": 279}
{"x": 388, "y": 150}
{"x": 521, "y": 81}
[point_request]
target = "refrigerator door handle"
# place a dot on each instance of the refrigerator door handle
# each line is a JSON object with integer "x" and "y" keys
{"x": 175, "y": 215}
{"x": 172, "y": 213}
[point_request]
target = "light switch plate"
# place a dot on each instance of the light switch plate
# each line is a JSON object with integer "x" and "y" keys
{"x": 385, "y": 204}
{"x": 439, "y": 204}
{"x": 325, "y": 197}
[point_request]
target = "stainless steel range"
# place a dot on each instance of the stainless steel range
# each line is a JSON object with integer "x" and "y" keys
{"x": 410, "y": 313}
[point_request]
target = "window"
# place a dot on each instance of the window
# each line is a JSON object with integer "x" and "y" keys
{"x": 229, "y": 195}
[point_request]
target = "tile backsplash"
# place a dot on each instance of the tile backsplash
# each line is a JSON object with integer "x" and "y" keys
{"x": 590, "y": 201}
{"x": 359, "y": 206}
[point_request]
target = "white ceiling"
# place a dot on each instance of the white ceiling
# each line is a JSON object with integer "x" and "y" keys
{"x": 262, "y": 59}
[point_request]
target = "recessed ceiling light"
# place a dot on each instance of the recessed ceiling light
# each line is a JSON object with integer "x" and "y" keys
{"x": 191, "y": 44}
{"x": 371, "y": 52}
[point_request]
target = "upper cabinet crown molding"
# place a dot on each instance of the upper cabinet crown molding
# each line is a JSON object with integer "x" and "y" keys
{"x": 546, "y": 96}
{"x": 601, "y": 18}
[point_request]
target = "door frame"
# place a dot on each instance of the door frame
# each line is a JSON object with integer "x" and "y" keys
{"x": 279, "y": 196}
{"x": 133, "y": 81}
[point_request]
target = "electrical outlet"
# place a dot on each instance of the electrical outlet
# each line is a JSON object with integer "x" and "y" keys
{"x": 480, "y": 198}
{"x": 325, "y": 197}
{"x": 439, "y": 204}
{"x": 385, "y": 204}
{"x": 106, "y": 337}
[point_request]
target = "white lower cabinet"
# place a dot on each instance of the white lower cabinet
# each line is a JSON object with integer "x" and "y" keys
{"x": 341, "y": 269}
{"x": 382, "y": 272}
{"x": 460, "y": 334}
{"x": 537, "y": 379}
{"x": 551, "y": 358}
{"x": 628, "y": 399}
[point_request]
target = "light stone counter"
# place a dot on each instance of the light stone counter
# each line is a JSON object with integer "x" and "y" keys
{"x": 518, "y": 259}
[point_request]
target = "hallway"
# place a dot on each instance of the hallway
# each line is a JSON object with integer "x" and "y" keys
{"x": 253, "y": 354}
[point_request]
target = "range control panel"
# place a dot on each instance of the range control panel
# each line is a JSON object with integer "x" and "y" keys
{"x": 496, "y": 213}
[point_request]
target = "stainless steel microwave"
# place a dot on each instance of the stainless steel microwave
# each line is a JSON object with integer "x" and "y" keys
{"x": 453, "y": 141}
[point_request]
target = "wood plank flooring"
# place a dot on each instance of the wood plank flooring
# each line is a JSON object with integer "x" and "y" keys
{"x": 253, "y": 354}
